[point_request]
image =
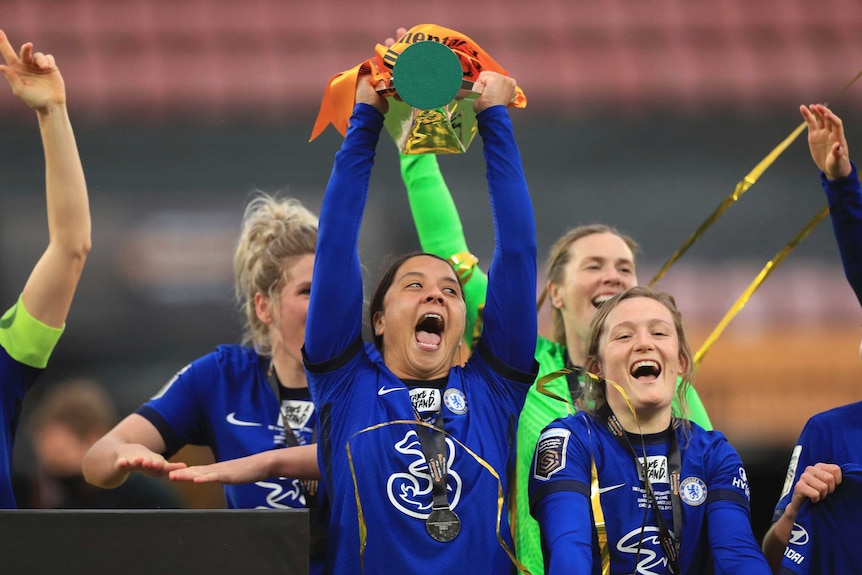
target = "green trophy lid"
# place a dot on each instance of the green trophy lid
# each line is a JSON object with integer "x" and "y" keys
{"x": 427, "y": 75}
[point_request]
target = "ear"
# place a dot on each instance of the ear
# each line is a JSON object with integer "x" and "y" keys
{"x": 379, "y": 323}
{"x": 593, "y": 366}
{"x": 262, "y": 308}
{"x": 683, "y": 364}
{"x": 555, "y": 294}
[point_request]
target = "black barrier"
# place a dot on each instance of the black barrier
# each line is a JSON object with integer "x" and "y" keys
{"x": 206, "y": 542}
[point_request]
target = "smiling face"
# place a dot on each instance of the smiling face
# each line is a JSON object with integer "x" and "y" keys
{"x": 599, "y": 266}
{"x": 639, "y": 349}
{"x": 422, "y": 319}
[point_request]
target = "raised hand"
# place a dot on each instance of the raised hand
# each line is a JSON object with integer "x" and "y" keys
{"x": 34, "y": 77}
{"x": 826, "y": 141}
{"x": 496, "y": 90}
{"x": 367, "y": 94}
{"x": 398, "y": 33}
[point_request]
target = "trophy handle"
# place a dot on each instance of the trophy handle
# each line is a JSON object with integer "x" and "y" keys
{"x": 468, "y": 91}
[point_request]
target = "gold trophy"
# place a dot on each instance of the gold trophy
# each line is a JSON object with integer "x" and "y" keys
{"x": 429, "y": 74}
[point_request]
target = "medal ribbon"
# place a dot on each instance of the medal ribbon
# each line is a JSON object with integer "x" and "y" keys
{"x": 308, "y": 486}
{"x": 363, "y": 530}
{"x": 434, "y": 449}
{"x": 669, "y": 542}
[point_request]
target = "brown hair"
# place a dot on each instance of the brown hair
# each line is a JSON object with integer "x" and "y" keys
{"x": 560, "y": 255}
{"x": 596, "y": 390}
{"x": 80, "y": 405}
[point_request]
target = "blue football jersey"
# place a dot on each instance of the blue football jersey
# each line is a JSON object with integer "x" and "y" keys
{"x": 825, "y": 537}
{"x": 224, "y": 401}
{"x": 25, "y": 346}
{"x": 380, "y": 487}
{"x": 713, "y": 498}
{"x": 386, "y": 475}
{"x": 15, "y": 379}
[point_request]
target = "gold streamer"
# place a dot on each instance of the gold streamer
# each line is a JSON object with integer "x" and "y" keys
{"x": 755, "y": 284}
{"x": 542, "y": 382}
{"x": 599, "y": 517}
{"x": 741, "y": 188}
{"x": 598, "y": 512}
{"x": 363, "y": 530}
{"x": 542, "y": 386}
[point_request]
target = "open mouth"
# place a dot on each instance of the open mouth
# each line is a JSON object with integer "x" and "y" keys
{"x": 429, "y": 331}
{"x": 599, "y": 300}
{"x": 646, "y": 370}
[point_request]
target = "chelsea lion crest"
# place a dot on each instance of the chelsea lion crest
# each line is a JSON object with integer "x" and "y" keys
{"x": 692, "y": 491}
{"x": 455, "y": 401}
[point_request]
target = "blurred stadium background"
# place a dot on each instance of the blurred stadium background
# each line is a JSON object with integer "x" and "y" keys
{"x": 642, "y": 113}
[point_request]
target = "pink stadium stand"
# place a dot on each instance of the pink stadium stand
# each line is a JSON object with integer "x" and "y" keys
{"x": 217, "y": 57}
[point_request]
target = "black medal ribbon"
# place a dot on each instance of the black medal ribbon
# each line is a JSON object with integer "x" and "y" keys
{"x": 317, "y": 523}
{"x": 670, "y": 543}
{"x": 442, "y": 524}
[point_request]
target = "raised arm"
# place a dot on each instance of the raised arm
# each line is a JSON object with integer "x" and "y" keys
{"x": 440, "y": 230}
{"x": 840, "y": 181}
{"x": 510, "y": 323}
{"x": 335, "y": 309}
{"x": 36, "y": 80}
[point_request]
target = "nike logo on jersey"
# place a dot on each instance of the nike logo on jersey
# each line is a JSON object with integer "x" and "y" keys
{"x": 610, "y": 488}
{"x": 384, "y": 390}
{"x": 231, "y": 418}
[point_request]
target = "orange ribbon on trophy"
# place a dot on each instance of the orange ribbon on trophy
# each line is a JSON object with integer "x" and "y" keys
{"x": 339, "y": 98}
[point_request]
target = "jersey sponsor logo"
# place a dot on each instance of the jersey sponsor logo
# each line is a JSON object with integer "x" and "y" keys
{"x": 455, "y": 400}
{"x": 741, "y": 483}
{"x": 798, "y": 535}
{"x": 692, "y": 491}
{"x": 410, "y": 492}
{"x": 610, "y": 488}
{"x": 646, "y": 547}
{"x": 794, "y": 556}
{"x": 384, "y": 390}
{"x": 656, "y": 468}
{"x": 173, "y": 380}
{"x": 232, "y": 419}
{"x": 791, "y": 471}
{"x": 551, "y": 453}
{"x": 279, "y": 495}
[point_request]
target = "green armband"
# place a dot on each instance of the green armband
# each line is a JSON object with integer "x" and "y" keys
{"x": 26, "y": 339}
